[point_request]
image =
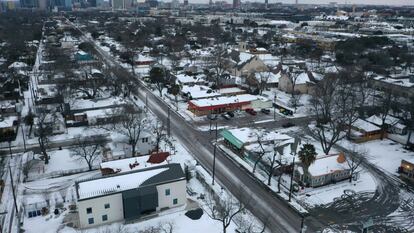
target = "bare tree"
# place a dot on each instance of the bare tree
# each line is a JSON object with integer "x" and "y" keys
{"x": 295, "y": 95}
{"x": 260, "y": 151}
{"x": 347, "y": 100}
{"x": 86, "y": 151}
{"x": 262, "y": 81}
{"x": 44, "y": 127}
{"x": 329, "y": 126}
{"x": 130, "y": 123}
{"x": 354, "y": 159}
{"x": 247, "y": 224}
{"x": 276, "y": 165}
{"x": 220, "y": 63}
{"x": 160, "y": 133}
{"x": 28, "y": 166}
{"x": 223, "y": 210}
{"x": 385, "y": 106}
{"x": 167, "y": 227}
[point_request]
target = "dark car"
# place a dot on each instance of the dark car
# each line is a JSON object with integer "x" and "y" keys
{"x": 231, "y": 114}
{"x": 265, "y": 111}
{"x": 225, "y": 116}
{"x": 251, "y": 111}
{"x": 212, "y": 117}
{"x": 288, "y": 124}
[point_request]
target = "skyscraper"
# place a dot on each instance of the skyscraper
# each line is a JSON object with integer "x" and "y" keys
{"x": 185, "y": 2}
{"x": 236, "y": 3}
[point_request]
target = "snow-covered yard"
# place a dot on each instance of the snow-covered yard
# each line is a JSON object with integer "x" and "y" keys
{"x": 385, "y": 154}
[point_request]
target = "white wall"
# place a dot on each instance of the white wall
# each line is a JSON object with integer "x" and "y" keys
{"x": 114, "y": 213}
{"x": 177, "y": 190}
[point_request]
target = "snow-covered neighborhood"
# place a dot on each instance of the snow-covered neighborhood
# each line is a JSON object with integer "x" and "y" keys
{"x": 177, "y": 117}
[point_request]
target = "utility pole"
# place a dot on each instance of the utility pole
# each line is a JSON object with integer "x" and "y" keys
{"x": 168, "y": 122}
{"x": 11, "y": 179}
{"x": 24, "y": 140}
{"x": 214, "y": 156}
{"x": 301, "y": 224}
{"x": 291, "y": 179}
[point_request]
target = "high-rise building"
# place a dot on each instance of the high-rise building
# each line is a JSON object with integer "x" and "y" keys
{"x": 210, "y": 2}
{"x": 122, "y": 4}
{"x": 236, "y": 3}
{"x": 185, "y": 2}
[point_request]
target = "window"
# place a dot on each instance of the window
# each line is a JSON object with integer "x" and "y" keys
{"x": 89, "y": 210}
{"x": 144, "y": 140}
{"x": 104, "y": 218}
{"x": 90, "y": 221}
{"x": 175, "y": 201}
{"x": 167, "y": 192}
{"x": 107, "y": 206}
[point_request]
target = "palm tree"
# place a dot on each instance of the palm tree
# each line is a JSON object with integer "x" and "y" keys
{"x": 307, "y": 156}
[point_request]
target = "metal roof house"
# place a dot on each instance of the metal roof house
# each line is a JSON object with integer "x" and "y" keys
{"x": 130, "y": 195}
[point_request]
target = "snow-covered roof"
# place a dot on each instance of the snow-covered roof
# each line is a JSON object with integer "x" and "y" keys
{"x": 123, "y": 165}
{"x": 269, "y": 77}
{"x": 377, "y": 120}
{"x": 199, "y": 91}
{"x": 98, "y": 113}
{"x": 249, "y": 135}
{"x": 7, "y": 122}
{"x": 230, "y": 90}
{"x": 80, "y": 104}
{"x": 244, "y": 57}
{"x": 365, "y": 126}
{"x": 302, "y": 78}
{"x": 81, "y": 52}
{"x": 326, "y": 165}
{"x": 130, "y": 180}
{"x": 114, "y": 184}
{"x": 186, "y": 79}
{"x": 17, "y": 65}
{"x": 405, "y": 82}
{"x": 227, "y": 100}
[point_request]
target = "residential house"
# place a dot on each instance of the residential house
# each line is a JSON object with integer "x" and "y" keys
{"x": 247, "y": 66}
{"x": 52, "y": 123}
{"x": 362, "y": 131}
{"x": 8, "y": 128}
{"x": 131, "y": 195}
{"x": 263, "y": 80}
{"x": 304, "y": 82}
{"x": 324, "y": 170}
{"x": 119, "y": 148}
{"x": 392, "y": 124}
{"x": 406, "y": 170}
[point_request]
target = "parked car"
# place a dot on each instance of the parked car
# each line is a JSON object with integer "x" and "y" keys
{"x": 288, "y": 124}
{"x": 225, "y": 116}
{"x": 231, "y": 114}
{"x": 212, "y": 117}
{"x": 265, "y": 111}
{"x": 251, "y": 111}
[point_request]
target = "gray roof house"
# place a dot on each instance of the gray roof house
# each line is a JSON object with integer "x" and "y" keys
{"x": 128, "y": 196}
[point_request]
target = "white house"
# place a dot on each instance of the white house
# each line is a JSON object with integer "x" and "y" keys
{"x": 128, "y": 196}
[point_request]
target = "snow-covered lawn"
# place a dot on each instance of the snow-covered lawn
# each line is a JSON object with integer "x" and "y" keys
{"x": 63, "y": 160}
{"x": 327, "y": 194}
{"x": 385, "y": 154}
